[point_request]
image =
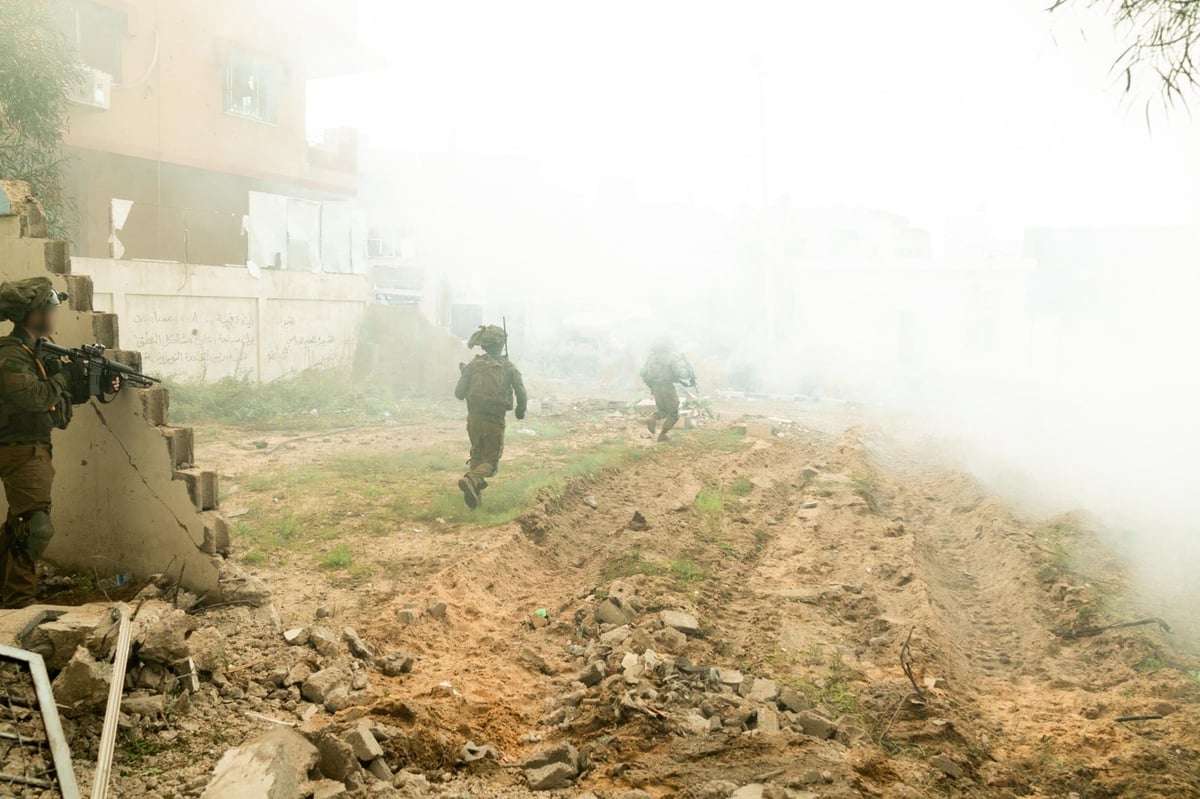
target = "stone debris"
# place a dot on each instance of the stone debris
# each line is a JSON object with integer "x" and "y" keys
{"x": 161, "y": 632}
{"x": 325, "y": 685}
{"x": 206, "y": 648}
{"x": 272, "y": 766}
{"x": 365, "y": 747}
{"x": 681, "y": 622}
{"x": 324, "y": 641}
{"x": 356, "y": 645}
{"x": 296, "y": 636}
{"x": 239, "y": 586}
{"x": 613, "y": 611}
{"x": 324, "y": 789}
{"x": 551, "y": 777}
{"x": 336, "y": 758}
{"x": 82, "y": 685}
{"x": 144, "y": 704}
{"x": 437, "y": 609}
{"x": 379, "y": 769}
{"x": 816, "y": 726}
{"x": 947, "y": 767}
{"x": 394, "y": 664}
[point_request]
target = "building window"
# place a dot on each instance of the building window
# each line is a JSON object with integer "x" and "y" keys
{"x": 252, "y": 87}
{"x": 384, "y": 242}
{"x": 95, "y": 31}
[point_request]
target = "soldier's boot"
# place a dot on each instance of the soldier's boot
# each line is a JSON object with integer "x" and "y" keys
{"x": 667, "y": 425}
{"x": 652, "y": 424}
{"x": 17, "y": 569}
{"x": 470, "y": 495}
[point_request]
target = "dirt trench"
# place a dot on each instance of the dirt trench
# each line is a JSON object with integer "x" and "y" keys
{"x": 810, "y": 563}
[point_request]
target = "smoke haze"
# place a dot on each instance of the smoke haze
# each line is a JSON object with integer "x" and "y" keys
{"x": 948, "y": 208}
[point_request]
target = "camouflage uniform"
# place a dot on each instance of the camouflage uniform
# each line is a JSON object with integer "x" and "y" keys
{"x": 662, "y": 371}
{"x": 489, "y": 384}
{"x": 34, "y": 399}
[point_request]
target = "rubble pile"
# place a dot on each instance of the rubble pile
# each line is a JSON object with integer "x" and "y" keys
{"x": 629, "y": 665}
{"x": 186, "y": 677}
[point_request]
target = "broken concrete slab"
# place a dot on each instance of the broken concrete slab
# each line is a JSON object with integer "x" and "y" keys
{"x": 670, "y": 640}
{"x": 324, "y": 684}
{"x": 561, "y": 752}
{"x": 551, "y": 777}
{"x": 323, "y": 640}
{"x": 356, "y": 645}
{"x": 82, "y": 685}
{"x": 379, "y": 769}
{"x": 365, "y": 747}
{"x": 816, "y": 726}
{"x": 161, "y": 636}
{"x": 57, "y": 640}
{"x": 336, "y": 758}
{"x": 236, "y": 585}
{"x": 206, "y": 647}
{"x": 614, "y": 611}
{"x": 272, "y": 766}
{"x": 680, "y": 621}
{"x": 593, "y": 674}
{"x": 324, "y": 789}
{"x": 142, "y": 704}
{"x": 394, "y": 664}
{"x": 761, "y": 690}
{"x": 296, "y": 636}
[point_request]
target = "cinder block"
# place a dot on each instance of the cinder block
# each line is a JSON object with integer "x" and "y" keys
{"x": 130, "y": 358}
{"x": 156, "y": 403}
{"x": 57, "y": 256}
{"x": 217, "y": 534}
{"x": 181, "y": 443}
{"x": 202, "y": 487}
{"x": 104, "y": 329}
{"x": 81, "y": 291}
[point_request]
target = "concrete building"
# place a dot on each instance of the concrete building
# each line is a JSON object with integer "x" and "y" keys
{"x": 197, "y": 182}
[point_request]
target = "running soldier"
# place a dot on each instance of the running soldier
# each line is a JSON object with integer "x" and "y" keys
{"x": 489, "y": 384}
{"x": 664, "y": 368}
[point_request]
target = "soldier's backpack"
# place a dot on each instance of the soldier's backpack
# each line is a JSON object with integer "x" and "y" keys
{"x": 490, "y": 390}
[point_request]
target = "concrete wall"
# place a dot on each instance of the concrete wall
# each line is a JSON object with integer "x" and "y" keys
{"x": 125, "y": 497}
{"x": 204, "y": 323}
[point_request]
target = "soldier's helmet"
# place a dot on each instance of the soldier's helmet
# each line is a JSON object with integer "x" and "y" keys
{"x": 490, "y": 337}
{"x": 19, "y": 297}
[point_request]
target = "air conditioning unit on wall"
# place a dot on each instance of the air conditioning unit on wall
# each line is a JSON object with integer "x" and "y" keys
{"x": 94, "y": 90}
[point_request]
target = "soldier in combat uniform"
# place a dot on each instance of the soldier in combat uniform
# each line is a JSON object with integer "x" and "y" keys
{"x": 35, "y": 398}
{"x": 489, "y": 384}
{"x": 664, "y": 368}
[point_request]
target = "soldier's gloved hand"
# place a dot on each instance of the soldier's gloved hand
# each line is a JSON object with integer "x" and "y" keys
{"x": 52, "y": 366}
{"x": 461, "y": 366}
{"x": 520, "y": 413}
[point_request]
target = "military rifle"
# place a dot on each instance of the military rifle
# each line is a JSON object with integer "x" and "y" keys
{"x": 102, "y": 377}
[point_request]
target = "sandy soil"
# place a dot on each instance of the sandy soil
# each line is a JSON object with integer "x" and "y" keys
{"x": 821, "y": 558}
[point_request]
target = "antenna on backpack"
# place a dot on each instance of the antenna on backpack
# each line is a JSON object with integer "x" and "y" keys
{"x": 504, "y": 324}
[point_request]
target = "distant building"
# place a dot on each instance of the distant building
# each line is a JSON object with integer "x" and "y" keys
{"x": 190, "y": 111}
{"x": 190, "y": 154}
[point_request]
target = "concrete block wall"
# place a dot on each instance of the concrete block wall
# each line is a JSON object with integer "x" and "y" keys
{"x": 127, "y": 496}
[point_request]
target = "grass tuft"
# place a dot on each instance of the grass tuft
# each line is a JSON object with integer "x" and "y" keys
{"x": 340, "y": 557}
{"x": 310, "y": 400}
